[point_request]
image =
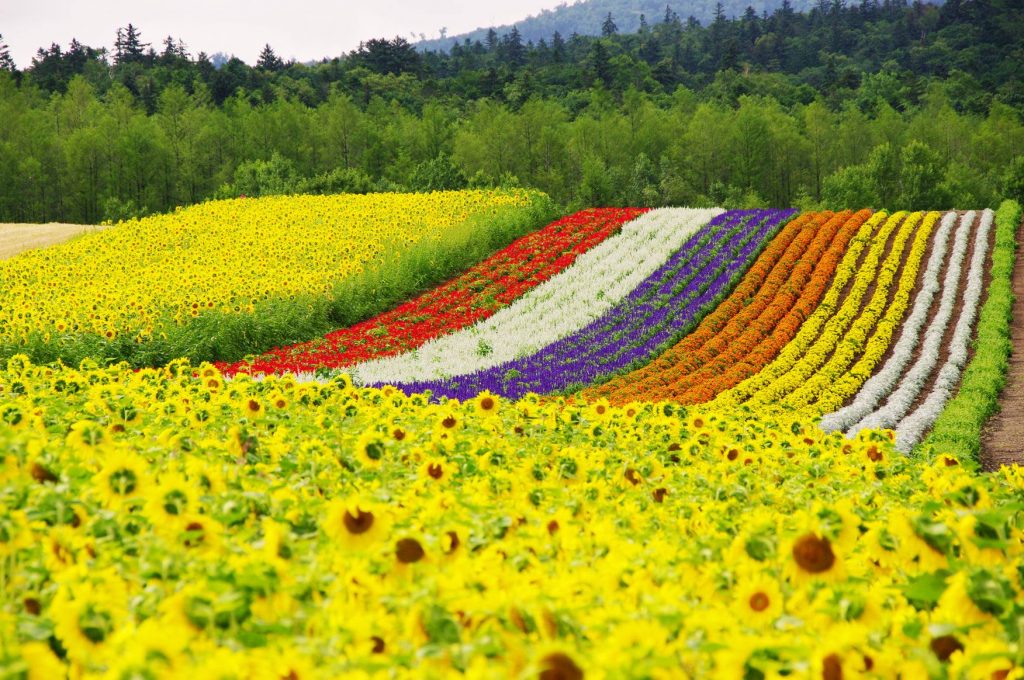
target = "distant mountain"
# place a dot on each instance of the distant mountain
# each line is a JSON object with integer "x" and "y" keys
{"x": 587, "y": 16}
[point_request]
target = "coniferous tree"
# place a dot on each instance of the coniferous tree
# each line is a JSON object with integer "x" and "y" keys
{"x": 129, "y": 48}
{"x": 609, "y": 28}
{"x": 6, "y": 62}
{"x": 601, "y": 63}
{"x": 268, "y": 60}
{"x": 515, "y": 52}
{"x": 557, "y": 48}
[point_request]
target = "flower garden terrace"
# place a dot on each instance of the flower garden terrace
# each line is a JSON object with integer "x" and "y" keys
{"x": 703, "y": 491}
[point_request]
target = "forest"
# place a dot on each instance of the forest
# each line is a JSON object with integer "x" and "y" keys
{"x": 867, "y": 104}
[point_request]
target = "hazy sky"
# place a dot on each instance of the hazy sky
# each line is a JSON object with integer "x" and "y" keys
{"x": 300, "y": 29}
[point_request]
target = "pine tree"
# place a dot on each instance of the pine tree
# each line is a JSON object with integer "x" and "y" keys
{"x": 268, "y": 60}
{"x": 515, "y": 52}
{"x": 608, "y": 28}
{"x": 601, "y": 63}
{"x": 6, "y": 62}
{"x": 557, "y": 48}
{"x": 129, "y": 46}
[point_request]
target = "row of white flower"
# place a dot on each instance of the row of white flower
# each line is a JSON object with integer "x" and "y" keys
{"x": 598, "y": 279}
{"x": 882, "y": 383}
{"x": 910, "y": 430}
{"x": 912, "y": 381}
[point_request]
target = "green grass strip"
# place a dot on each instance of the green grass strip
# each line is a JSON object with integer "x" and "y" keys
{"x": 958, "y": 430}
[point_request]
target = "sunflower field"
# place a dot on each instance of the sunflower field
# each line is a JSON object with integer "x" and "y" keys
{"x": 674, "y": 443}
{"x": 224, "y": 278}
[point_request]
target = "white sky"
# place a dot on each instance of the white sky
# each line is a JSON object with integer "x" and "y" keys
{"x": 299, "y": 29}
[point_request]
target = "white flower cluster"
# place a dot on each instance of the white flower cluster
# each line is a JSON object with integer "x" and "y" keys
{"x": 595, "y": 282}
{"x": 910, "y": 430}
{"x": 881, "y": 384}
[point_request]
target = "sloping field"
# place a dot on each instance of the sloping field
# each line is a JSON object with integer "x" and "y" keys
{"x": 17, "y": 238}
{"x": 224, "y": 279}
{"x": 628, "y": 444}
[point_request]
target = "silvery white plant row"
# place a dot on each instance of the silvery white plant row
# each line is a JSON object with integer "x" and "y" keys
{"x": 914, "y": 380}
{"x": 910, "y": 430}
{"x": 595, "y": 282}
{"x": 879, "y": 386}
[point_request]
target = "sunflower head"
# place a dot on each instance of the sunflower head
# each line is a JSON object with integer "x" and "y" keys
{"x": 355, "y": 524}
{"x": 124, "y": 477}
{"x": 486, "y": 404}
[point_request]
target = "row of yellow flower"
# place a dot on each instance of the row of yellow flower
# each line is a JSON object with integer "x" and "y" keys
{"x": 811, "y": 328}
{"x": 804, "y": 375}
{"x": 871, "y": 333}
{"x": 845, "y": 385}
{"x": 169, "y": 523}
{"x": 876, "y": 270}
{"x": 225, "y": 256}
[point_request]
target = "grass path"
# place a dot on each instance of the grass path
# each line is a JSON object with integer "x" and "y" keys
{"x": 17, "y": 238}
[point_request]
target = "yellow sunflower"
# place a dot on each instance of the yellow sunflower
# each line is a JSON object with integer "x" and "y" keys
{"x": 487, "y": 404}
{"x": 809, "y": 556}
{"x": 123, "y": 478}
{"x": 355, "y": 524}
{"x": 170, "y": 498}
{"x": 758, "y": 600}
{"x": 86, "y": 615}
{"x": 370, "y": 449}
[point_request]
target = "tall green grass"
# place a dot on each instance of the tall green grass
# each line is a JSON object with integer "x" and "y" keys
{"x": 958, "y": 430}
{"x": 402, "y": 274}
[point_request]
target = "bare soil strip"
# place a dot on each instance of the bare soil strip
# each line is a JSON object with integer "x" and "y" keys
{"x": 17, "y": 238}
{"x": 1003, "y": 443}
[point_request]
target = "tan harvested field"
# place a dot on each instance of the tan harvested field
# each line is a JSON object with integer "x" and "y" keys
{"x": 16, "y": 238}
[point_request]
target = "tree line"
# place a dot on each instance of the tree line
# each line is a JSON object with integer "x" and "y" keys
{"x": 910, "y": 106}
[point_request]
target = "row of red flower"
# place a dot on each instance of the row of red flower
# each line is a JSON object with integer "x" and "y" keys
{"x": 471, "y": 297}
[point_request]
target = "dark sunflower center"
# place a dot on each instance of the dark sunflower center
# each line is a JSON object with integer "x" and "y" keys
{"x": 375, "y": 451}
{"x": 831, "y": 668}
{"x": 559, "y": 666}
{"x": 194, "y": 534}
{"x": 944, "y": 647}
{"x": 409, "y": 550}
{"x": 759, "y": 601}
{"x": 95, "y": 624}
{"x": 813, "y": 554}
{"x": 448, "y": 422}
{"x": 359, "y": 523}
{"x": 435, "y": 471}
{"x": 123, "y": 482}
{"x": 487, "y": 403}
{"x": 175, "y": 501}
